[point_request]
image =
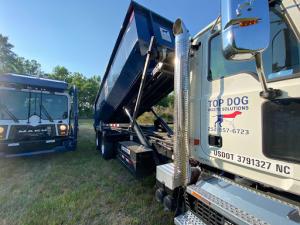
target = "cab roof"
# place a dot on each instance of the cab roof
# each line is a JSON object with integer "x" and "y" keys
{"x": 32, "y": 82}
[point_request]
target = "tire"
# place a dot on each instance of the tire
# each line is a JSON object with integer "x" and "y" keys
{"x": 169, "y": 203}
{"x": 106, "y": 148}
{"x": 98, "y": 140}
{"x": 159, "y": 195}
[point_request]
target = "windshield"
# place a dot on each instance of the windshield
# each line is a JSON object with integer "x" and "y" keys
{"x": 55, "y": 105}
{"x": 22, "y": 104}
{"x": 16, "y": 102}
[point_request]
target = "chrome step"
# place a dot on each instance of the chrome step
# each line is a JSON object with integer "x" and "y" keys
{"x": 242, "y": 205}
{"x": 188, "y": 219}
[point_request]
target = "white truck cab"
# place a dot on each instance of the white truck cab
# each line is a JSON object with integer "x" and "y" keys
{"x": 239, "y": 125}
{"x": 239, "y": 131}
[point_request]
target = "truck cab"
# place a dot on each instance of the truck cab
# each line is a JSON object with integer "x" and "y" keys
{"x": 240, "y": 131}
{"x": 243, "y": 116}
{"x": 37, "y": 116}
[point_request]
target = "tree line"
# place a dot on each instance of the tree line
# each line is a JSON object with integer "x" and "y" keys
{"x": 87, "y": 87}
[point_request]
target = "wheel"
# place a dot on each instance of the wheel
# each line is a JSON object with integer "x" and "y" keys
{"x": 106, "y": 149}
{"x": 160, "y": 194}
{"x": 169, "y": 203}
{"x": 98, "y": 140}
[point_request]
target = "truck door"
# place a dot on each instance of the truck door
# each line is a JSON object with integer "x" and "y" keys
{"x": 239, "y": 129}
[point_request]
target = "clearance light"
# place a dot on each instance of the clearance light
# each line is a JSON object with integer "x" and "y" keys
{"x": 200, "y": 197}
{"x": 247, "y": 23}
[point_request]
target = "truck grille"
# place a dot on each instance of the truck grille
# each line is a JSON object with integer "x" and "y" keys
{"x": 27, "y": 132}
{"x": 205, "y": 212}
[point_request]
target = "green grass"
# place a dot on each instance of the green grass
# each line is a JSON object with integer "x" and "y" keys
{"x": 76, "y": 188}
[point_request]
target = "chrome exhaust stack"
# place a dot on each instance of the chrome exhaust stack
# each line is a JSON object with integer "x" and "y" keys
{"x": 181, "y": 103}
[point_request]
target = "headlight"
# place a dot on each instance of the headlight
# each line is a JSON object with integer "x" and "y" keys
{"x": 2, "y": 132}
{"x": 63, "y": 129}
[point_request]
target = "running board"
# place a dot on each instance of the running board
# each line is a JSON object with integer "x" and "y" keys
{"x": 188, "y": 218}
{"x": 216, "y": 199}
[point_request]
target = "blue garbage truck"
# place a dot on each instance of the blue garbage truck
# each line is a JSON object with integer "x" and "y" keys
{"x": 139, "y": 74}
{"x": 37, "y": 115}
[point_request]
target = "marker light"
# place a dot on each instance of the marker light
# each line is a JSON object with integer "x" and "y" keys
{"x": 247, "y": 23}
{"x": 1, "y": 130}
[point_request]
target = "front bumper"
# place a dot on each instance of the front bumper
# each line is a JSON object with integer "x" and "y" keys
{"x": 219, "y": 201}
{"x": 35, "y": 147}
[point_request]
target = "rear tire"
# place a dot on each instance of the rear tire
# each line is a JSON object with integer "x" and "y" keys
{"x": 159, "y": 195}
{"x": 98, "y": 140}
{"x": 169, "y": 203}
{"x": 106, "y": 147}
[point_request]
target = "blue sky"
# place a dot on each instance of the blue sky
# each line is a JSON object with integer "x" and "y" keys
{"x": 80, "y": 35}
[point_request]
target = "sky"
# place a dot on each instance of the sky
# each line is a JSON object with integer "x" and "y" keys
{"x": 80, "y": 35}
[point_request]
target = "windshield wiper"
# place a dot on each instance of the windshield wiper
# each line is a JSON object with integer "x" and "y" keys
{"x": 43, "y": 109}
{"x": 11, "y": 115}
{"x": 46, "y": 113}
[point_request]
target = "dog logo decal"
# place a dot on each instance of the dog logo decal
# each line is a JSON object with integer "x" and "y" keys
{"x": 227, "y": 117}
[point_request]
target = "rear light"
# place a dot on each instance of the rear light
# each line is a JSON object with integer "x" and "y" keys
{"x": 63, "y": 129}
{"x": 3, "y": 132}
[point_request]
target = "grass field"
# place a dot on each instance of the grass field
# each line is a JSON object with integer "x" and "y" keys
{"x": 76, "y": 188}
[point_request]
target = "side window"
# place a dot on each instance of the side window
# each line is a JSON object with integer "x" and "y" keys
{"x": 281, "y": 59}
{"x": 278, "y": 53}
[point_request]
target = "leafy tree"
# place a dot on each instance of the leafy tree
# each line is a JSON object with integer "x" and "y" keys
{"x": 87, "y": 88}
{"x": 10, "y": 62}
{"x": 79, "y": 80}
{"x": 29, "y": 67}
{"x": 60, "y": 73}
{"x": 167, "y": 101}
{"x": 7, "y": 56}
{"x": 91, "y": 87}
{"x": 87, "y": 91}
{"x": 32, "y": 67}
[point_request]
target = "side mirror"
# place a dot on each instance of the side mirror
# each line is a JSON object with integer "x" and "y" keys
{"x": 245, "y": 28}
{"x": 65, "y": 115}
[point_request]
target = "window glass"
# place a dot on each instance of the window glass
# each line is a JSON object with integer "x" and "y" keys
{"x": 17, "y": 103}
{"x": 221, "y": 67}
{"x": 281, "y": 59}
{"x": 35, "y": 102}
{"x": 56, "y": 106}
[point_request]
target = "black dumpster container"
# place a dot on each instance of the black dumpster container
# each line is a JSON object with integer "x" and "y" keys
{"x": 120, "y": 83}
